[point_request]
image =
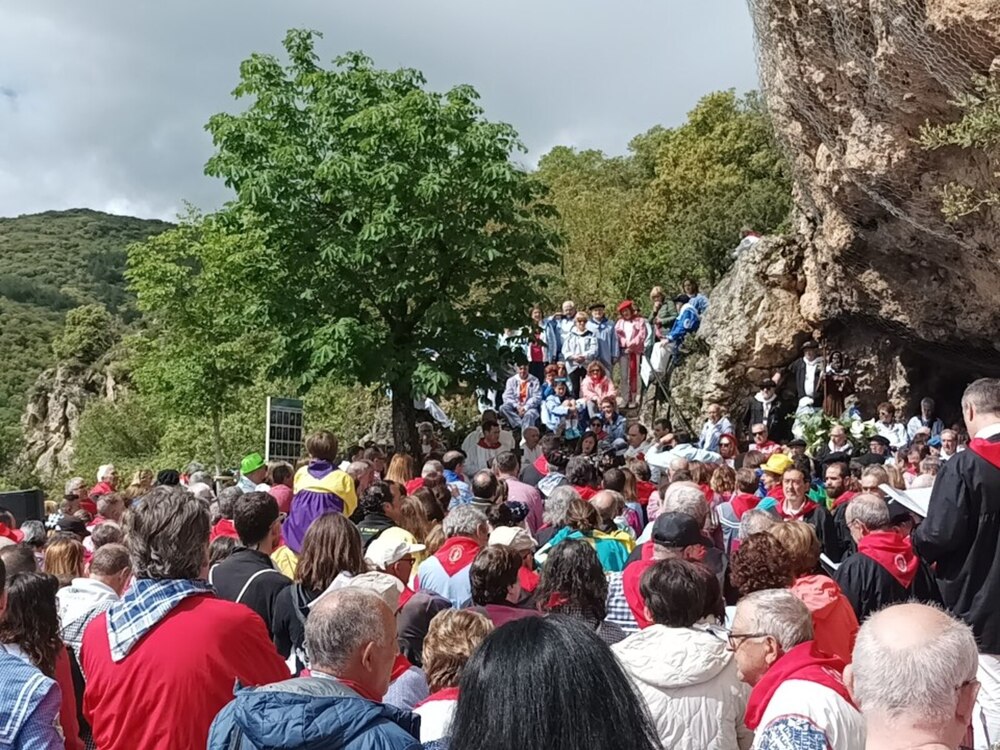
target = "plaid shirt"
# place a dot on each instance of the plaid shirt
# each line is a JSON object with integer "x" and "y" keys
{"x": 618, "y": 610}
{"x": 146, "y": 602}
{"x": 29, "y": 706}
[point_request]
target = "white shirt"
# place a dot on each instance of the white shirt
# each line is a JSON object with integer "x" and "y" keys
{"x": 895, "y": 433}
{"x": 810, "y": 384}
{"x": 987, "y": 432}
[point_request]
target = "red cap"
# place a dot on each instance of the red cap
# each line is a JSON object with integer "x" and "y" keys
{"x": 625, "y": 305}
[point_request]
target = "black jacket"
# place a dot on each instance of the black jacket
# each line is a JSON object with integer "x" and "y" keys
{"x": 829, "y": 541}
{"x": 289, "y": 621}
{"x": 960, "y": 536}
{"x": 249, "y": 577}
{"x": 372, "y": 526}
{"x": 776, "y": 422}
{"x": 798, "y": 369}
{"x": 870, "y": 587}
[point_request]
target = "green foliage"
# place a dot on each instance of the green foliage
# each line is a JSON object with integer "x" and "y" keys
{"x": 87, "y": 335}
{"x": 979, "y": 129}
{"x": 674, "y": 207}
{"x": 53, "y": 262}
{"x": 126, "y": 432}
{"x": 395, "y": 222}
{"x": 200, "y": 347}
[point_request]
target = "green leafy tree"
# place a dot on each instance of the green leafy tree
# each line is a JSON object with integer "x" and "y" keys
{"x": 978, "y": 129}
{"x": 397, "y": 227}
{"x": 720, "y": 170}
{"x": 87, "y": 335}
{"x": 200, "y": 347}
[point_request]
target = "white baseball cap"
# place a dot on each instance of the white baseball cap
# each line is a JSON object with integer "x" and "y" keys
{"x": 514, "y": 537}
{"x": 383, "y": 551}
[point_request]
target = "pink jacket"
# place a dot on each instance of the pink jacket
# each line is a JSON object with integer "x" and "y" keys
{"x": 591, "y": 391}
{"x": 631, "y": 334}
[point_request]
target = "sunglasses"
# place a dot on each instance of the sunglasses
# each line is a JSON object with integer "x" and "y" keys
{"x": 758, "y": 434}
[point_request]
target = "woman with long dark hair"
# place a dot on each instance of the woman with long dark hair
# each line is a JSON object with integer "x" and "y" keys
{"x": 29, "y": 629}
{"x": 550, "y": 683}
{"x": 332, "y": 546}
{"x": 573, "y": 584}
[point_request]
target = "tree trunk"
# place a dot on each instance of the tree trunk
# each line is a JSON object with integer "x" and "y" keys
{"x": 404, "y": 420}
{"x": 217, "y": 440}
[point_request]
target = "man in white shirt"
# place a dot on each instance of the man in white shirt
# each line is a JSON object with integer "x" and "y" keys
{"x": 635, "y": 436}
{"x": 808, "y": 372}
{"x": 715, "y": 427}
{"x": 889, "y": 428}
{"x": 949, "y": 445}
{"x": 926, "y": 420}
{"x": 506, "y": 438}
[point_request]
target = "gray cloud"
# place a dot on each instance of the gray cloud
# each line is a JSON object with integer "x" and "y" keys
{"x": 103, "y": 103}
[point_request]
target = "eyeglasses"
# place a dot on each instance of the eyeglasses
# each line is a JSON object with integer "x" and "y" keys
{"x": 759, "y": 434}
{"x": 737, "y": 639}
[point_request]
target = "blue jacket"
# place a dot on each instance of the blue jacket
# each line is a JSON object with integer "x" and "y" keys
{"x": 608, "y": 350}
{"x": 687, "y": 322}
{"x": 317, "y": 713}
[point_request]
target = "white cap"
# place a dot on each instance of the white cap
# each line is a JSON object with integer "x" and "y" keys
{"x": 388, "y": 587}
{"x": 384, "y": 551}
{"x": 514, "y": 537}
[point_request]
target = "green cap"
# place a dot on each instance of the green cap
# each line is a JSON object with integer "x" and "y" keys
{"x": 251, "y": 463}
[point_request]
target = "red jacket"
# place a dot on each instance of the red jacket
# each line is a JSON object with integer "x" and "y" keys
{"x": 164, "y": 694}
{"x": 67, "y": 709}
{"x": 631, "y": 577}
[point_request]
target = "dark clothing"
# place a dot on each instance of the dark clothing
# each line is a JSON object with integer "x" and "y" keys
{"x": 531, "y": 475}
{"x": 413, "y": 621}
{"x": 544, "y": 535}
{"x": 871, "y": 459}
{"x": 960, "y": 537}
{"x": 869, "y": 586}
{"x": 847, "y": 543}
{"x": 776, "y": 423}
{"x": 291, "y": 609}
{"x": 311, "y": 712}
{"x": 798, "y": 369}
{"x": 372, "y": 526}
{"x": 829, "y": 541}
{"x": 249, "y": 577}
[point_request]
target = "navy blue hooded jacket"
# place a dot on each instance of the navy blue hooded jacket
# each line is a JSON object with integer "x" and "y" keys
{"x": 311, "y": 713}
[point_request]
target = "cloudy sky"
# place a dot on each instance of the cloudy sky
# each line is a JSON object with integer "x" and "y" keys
{"x": 103, "y": 102}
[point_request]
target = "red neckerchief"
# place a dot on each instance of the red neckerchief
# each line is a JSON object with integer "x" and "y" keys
{"x": 804, "y": 662}
{"x": 225, "y": 527}
{"x": 483, "y": 444}
{"x": 706, "y": 490}
{"x": 360, "y": 690}
{"x": 542, "y": 466}
{"x": 405, "y": 596}
{"x": 986, "y": 450}
{"x": 585, "y": 493}
{"x": 777, "y": 492}
{"x": 892, "y": 552}
{"x": 807, "y": 507}
{"x": 399, "y": 667}
{"x": 444, "y": 694}
{"x": 643, "y": 490}
{"x": 844, "y": 497}
{"x": 13, "y": 534}
{"x": 457, "y": 553}
{"x": 528, "y": 579}
{"x": 556, "y": 599}
{"x": 414, "y": 484}
{"x": 743, "y": 502}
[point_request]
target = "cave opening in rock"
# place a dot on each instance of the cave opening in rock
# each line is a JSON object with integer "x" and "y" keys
{"x": 943, "y": 372}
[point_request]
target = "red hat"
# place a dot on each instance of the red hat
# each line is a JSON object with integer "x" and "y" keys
{"x": 625, "y": 305}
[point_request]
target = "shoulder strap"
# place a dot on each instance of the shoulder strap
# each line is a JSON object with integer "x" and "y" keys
{"x": 298, "y": 602}
{"x": 239, "y": 597}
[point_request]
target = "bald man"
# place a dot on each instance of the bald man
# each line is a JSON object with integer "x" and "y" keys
{"x": 609, "y": 505}
{"x": 914, "y": 678}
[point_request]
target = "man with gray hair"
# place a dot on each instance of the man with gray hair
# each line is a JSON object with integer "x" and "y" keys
{"x": 756, "y": 521}
{"x": 798, "y": 697}
{"x": 167, "y": 633}
{"x": 885, "y": 571}
{"x": 554, "y": 513}
{"x": 914, "y": 678}
{"x": 446, "y": 572}
{"x": 350, "y": 638}
{"x": 959, "y": 536}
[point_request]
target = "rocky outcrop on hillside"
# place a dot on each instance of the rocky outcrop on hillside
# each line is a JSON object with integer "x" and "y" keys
{"x": 872, "y": 266}
{"x": 50, "y": 420}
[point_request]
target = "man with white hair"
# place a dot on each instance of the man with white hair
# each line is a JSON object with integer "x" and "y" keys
{"x": 885, "y": 571}
{"x": 798, "y": 697}
{"x": 350, "y": 638}
{"x": 914, "y": 678}
{"x": 960, "y": 536}
{"x": 446, "y": 572}
{"x": 949, "y": 445}
{"x": 107, "y": 481}
{"x": 926, "y": 421}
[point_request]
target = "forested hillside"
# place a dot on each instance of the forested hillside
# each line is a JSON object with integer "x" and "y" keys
{"x": 50, "y": 263}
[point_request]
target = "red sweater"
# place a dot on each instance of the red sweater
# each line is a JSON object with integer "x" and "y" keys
{"x": 164, "y": 694}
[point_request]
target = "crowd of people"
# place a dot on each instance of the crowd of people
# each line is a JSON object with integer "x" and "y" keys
{"x": 620, "y": 587}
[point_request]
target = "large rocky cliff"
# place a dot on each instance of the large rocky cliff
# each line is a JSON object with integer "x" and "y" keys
{"x": 872, "y": 266}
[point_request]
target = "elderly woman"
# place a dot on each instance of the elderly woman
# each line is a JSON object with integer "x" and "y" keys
{"x": 595, "y": 387}
{"x": 579, "y": 350}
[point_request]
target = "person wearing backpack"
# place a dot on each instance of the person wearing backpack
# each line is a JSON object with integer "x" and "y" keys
{"x": 249, "y": 576}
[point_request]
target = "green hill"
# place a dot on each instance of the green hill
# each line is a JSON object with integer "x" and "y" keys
{"x": 50, "y": 263}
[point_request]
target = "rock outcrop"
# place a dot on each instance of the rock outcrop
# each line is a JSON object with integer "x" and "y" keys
{"x": 50, "y": 420}
{"x": 872, "y": 267}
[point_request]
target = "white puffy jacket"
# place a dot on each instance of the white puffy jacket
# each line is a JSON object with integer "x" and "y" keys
{"x": 688, "y": 679}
